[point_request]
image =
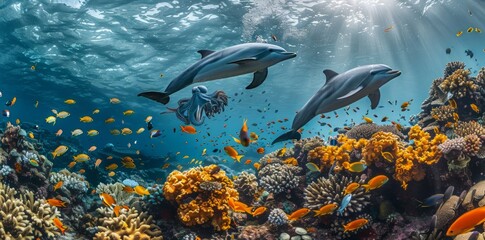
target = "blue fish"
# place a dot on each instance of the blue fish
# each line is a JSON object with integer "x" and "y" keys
{"x": 344, "y": 203}
{"x": 433, "y": 200}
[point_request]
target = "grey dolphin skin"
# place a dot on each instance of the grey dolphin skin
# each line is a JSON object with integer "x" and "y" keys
{"x": 228, "y": 62}
{"x": 341, "y": 90}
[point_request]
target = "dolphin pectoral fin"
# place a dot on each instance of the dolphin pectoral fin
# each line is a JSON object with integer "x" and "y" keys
{"x": 258, "y": 78}
{"x": 160, "y": 97}
{"x": 287, "y": 136}
{"x": 245, "y": 61}
{"x": 374, "y": 99}
{"x": 205, "y": 53}
{"x": 329, "y": 74}
{"x": 351, "y": 93}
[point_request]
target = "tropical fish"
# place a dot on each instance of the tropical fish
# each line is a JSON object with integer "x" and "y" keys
{"x": 253, "y": 136}
{"x": 86, "y": 119}
{"x": 248, "y": 161}
{"x": 467, "y": 222}
{"x": 388, "y": 29}
{"x": 92, "y": 148}
{"x": 109, "y": 120}
{"x": 375, "y": 182}
{"x": 116, "y": 210}
{"x": 36, "y": 104}
{"x": 112, "y": 166}
{"x": 388, "y": 156}
{"x": 326, "y": 209}
{"x": 258, "y": 211}
{"x": 107, "y": 199}
{"x": 458, "y": 34}
{"x": 128, "y": 189}
{"x": 51, "y": 119}
{"x": 93, "y": 133}
{"x": 71, "y": 164}
{"x": 478, "y": 30}
{"x": 126, "y": 131}
{"x": 81, "y": 171}
{"x": 70, "y": 101}
{"x": 233, "y": 153}
{"x": 17, "y": 121}
{"x": 31, "y": 135}
{"x": 58, "y": 185}
{"x": 475, "y": 108}
{"x": 111, "y": 174}
{"x": 114, "y": 100}
{"x": 97, "y": 163}
{"x": 140, "y": 130}
{"x": 470, "y": 29}
{"x": 155, "y": 133}
{"x": 257, "y": 165}
{"x": 243, "y": 135}
{"x": 166, "y": 165}
{"x": 81, "y": 157}
{"x": 115, "y": 132}
{"x": 34, "y": 163}
{"x": 188, "y": 129}
{"x": 130, "y": 165}
{"x": 56, "y": 202}
{"x": 300, "y": 213}
{"x": 62, "y": 114}
{"x": 59, "y": 132}
{"x": 351, "y": 188}
{"x": 432, "y": 200}
{"x": 95, "y": 111}
{"x": 59, "y": 225}
{"x": 355, "y": 166}
{"x": 204, "y": 151}
{"x": 355, "y": 225}
{"x": 128, "y": 112}
{"x": 148, "y": 119}
{"x": 281, "y": 152}
{"x": 76, "y": 132}
{"x": 344, "y": 203}
{"x": 140, "y": 190}
{"x": 59, "y": 151}
{"x": 260, "y": 150}
{"x": 312, "y": 167}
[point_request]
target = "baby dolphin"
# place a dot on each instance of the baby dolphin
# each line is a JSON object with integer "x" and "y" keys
{"x": 341, "y": 90}
{"x": 228, "y": 62}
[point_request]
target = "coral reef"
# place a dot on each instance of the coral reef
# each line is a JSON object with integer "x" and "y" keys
{"x": 72, "y": 182}
{"x": 277, "y": 217}
{"x": 366, "y": 130}
{"x": 196, "y": 206}
{"x": 276, "y": 177}
{"x": 24, "y": 217}
{"x": 246, "y": 185}
{"x": 254, "y": 232}
{"x": 116, "y": 190}
{"x": 331, "y": 190}
{"x": 459, "y": 84}
{"x": 466, "y": 128}
{"x": 451, "y": 67}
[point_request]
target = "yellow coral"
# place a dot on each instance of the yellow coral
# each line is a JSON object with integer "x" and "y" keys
{"x": 328, "y": 154}
{"x": 197, "y": 206}
{"x": 379, "y": 143}
{"x": 459, "y": 83}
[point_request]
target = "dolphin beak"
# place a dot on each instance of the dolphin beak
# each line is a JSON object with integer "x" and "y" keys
{"x": 289, "y": 54}
{"x": 394, "y": 72}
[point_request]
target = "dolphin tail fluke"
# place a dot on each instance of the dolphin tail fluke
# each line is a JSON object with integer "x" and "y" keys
{"x": 258, "y": 78}
{"x": 160, "y": 97}
{"x": 287, "y": 136}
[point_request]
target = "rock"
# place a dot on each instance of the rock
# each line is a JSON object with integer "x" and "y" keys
{"x": 300, "y": 231}
{"x": 295, "y": 238}
{"x": 306, "y": 237}
{"x": 479, "y": 192}
{"x": 284, "y": 236}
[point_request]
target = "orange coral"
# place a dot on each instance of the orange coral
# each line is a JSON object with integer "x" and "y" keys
{"x": 379, "y": 143}
{"x": 328, "y": 154}
{"x": 198, "y": 204}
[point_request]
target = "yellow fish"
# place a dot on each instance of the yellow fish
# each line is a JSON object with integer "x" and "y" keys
{"x": 111, "y": 174}
{"x": 128, "y": 112}
{"x": 70, "y": 101}
{"x": 204, "y": 151}
{"x": 86, "y": 119}
{"x": 367, "y": 119}
{"x": 114, "y": 100}
{"x": 51, "y": 119}
{"x": 458, "y": 34}
{"x": 63, "y": 114}
{"x": 355, "y": 166}
{"x": 96, "y": 111}
{"x": 59, "y": 151}
{"x": 140, "y": 130}
{"x": 109, "y": 120}
{"x": 478, "y": 30}
{"x": 92, "y": 133}
{"x": 31, "y": 135}
{"x": 126, "y": 131}
{"x": 76, "y": 132}
{"x": 470, "y": 29}
{"x": 148, "y": 119}
{"x": 140, "y": 190}
{"x": 112, "y": 166}
{"x": 281, "y": 152}
{"x": 17, "y": 121}
{"x": 186, "y": 156}
{"x": 81, "y": 157}
{"x": 474, "y": 107}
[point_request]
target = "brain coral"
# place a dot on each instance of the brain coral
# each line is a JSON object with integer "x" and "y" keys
{"x": 22, "y": 217}
{"x": 196, "y": 206}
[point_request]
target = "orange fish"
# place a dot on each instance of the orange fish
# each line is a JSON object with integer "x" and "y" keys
{"x": 116, "y": 210}
{"x": 58, "y": 224}
{"x": 96, "y": 164}
{"x": 467, "y": 222}
{"x": 81, "y": 171}
{"x": 351, "y": 188}
{"x": 140, "y": 190}
{"x": 108, "y": 200}
{"x": 326, "y": 209}
{"x": 375, "y": 182}
{"x": 298, "y": 214}
{"x": 258, "y": 211}
{"x": 188, "y": 129}
{"x": 355, "y": 225}
{"x": 247, "y": 161}
{"x": 92, "y": 149}
{"x": 72, "y": 164}
{"x": 128, "y": 189}
{"x": 111, "y": 173}
{"x": 56, "y": 202}
{"x": 260, "y": 150}
{"x": 59, "y": 132}
{"x": 58, "y": 185}
{"x": 475, "y": 108}
{"x": 112, "y": 166}
{"x": 243, "y": 135}
{"x": 166, "y": 165}
{"x": 233, "y": 153}
{"x": 257, "y": 165}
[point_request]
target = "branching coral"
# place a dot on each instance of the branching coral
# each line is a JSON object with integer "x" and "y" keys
{"x": 459, "y": 84}
{"x": 247, "y": 187}
{"x": 129, "y": 225}
{"x": 443, "y": 113}
{"x": 331, "y": 190}
{"x": 451, "y": 67}
{"x": 197, "y": 206}
{"x": 22, "y": 217}
{"x": 277, "y": 177}
{"x": 366, "y": 130}
{"x": 73, "y": 182}
{"x": 471, "y": 127}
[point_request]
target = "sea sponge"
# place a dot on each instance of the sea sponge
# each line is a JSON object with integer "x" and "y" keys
{"x": 325, "y": 191}
{"x": 443, "y": 113}
{"x": 129, "y": 225}
{"x": 116, "y": 190}
{"x": 246, "y": 185}
{"x": 23, "y": 217}
{"x": 196, "y": 206}
{"x": 277, "y": 217}
{"x": 471, "y": 127}
{"x": 459, "y": 84}
{"x": 451, "y": 67}
{"x": 366, "y": 130}
{"x": 277, "y": 177}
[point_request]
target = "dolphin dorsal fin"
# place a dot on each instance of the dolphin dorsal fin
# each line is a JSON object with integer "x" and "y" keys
{"x": 329, "y": 74}
{"x": 205, "y": 53}
{"x": 374, "y": 99}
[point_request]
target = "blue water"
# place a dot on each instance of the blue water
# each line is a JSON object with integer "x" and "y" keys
{"x": 92, "y": 51}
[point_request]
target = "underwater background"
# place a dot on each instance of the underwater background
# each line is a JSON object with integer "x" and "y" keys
{"x": 100, "y": 52}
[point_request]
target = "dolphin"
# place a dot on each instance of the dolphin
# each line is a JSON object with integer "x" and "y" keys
{"x": 341, "y": 90}
{"x": 228, "y": 62}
